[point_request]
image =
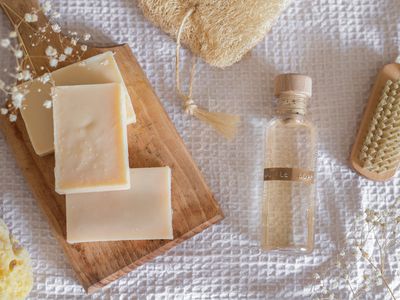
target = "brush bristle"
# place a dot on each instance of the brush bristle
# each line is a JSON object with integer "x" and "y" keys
{"x": 380, "y": 151}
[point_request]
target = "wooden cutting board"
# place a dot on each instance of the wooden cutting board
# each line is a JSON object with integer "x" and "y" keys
{"x": 153, "y": 142}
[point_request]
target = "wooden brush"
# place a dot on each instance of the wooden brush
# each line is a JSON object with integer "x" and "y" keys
{"x": 376, "y": 151}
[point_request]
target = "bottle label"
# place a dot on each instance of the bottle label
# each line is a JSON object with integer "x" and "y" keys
{"x": 289, "y": 174}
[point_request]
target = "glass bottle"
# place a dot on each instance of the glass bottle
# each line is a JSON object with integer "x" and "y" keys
{"x": 290, "y": 156}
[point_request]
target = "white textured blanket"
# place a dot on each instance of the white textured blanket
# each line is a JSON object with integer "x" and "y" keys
{"x": 340, "y": 43}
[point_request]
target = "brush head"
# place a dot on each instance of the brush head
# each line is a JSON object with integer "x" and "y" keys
{"x": 376, "y": 152}
{"x": 381, "y": 148}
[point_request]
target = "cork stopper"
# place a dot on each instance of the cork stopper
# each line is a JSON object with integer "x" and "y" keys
{"x": 293, "y": 83}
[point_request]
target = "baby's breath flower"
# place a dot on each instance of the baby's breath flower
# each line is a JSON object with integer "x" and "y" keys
{"x": 26, "y": 75}
{"x": 357, "y": 254}
{"x": 370, "y": 231}
{"x": 68, "y": 50}
{"x": 17, "y": 98}
{"x": 19, "y": 76}
{"x": 19, "y": 53}
{"x": 51, "y": 51}
{"x": 47, "y": 104}
{"x": 86, "y": 36}
{"x": 45, "y": 78}
{"x": 5, "y": 43}
{"x": 55, "y": 15}
{"x": 31, "y": 18}
{"x": 379, "y": 282}
{"x": 38, "y": 38}
{"x": 56, "y": 28}
{"x": 47, "y": 7}
{"x": 12, "y": 118}
{"x": 62, "y": 57}
{"x": 28, "y": 17}
{"x": 53, "y": 62}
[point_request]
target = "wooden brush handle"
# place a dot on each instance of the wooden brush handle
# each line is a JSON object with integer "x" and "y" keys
{"x": 389, "y": 72}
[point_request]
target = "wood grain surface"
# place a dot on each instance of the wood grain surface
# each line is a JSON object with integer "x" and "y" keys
{"x": 153, "y": 142}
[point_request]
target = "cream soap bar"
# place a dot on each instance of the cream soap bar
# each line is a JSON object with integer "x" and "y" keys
{"x": 141, "y": 213}
{"x": 90, "y": 138}
{"x": 38, "y": 120}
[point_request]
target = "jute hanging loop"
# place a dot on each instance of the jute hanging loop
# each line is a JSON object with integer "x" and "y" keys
{"x": 225, "y": 124}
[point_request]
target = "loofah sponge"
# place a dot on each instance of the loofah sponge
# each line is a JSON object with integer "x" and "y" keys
{"x": 15, "y": 269}
{"x": 221, "y": 31}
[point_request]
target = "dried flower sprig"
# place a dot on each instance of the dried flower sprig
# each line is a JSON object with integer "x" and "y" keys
{"x": 67, "y": 49}
{"x": 365, "y": 263}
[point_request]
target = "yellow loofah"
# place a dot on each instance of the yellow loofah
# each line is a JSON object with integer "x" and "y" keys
{"x": 16, "y": 277}
{"x": 219, "y": 31}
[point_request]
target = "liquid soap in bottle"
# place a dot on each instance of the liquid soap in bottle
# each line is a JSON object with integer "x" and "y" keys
{"x": 290, "y": 156}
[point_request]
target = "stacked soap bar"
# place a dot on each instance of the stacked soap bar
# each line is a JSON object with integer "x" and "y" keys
{"x": 90, "y": 139}
{"x": 105, "y": 200}
{"x": 143, "y": 212}
{"x": 38, "y": 119}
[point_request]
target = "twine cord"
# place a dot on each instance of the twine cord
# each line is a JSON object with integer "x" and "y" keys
{"x": 188, "y": 105}
{"x": 292, "y": 104}
{"x": 225, "y": 124}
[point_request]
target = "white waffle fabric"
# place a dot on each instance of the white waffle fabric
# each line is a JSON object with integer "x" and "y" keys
{"x": 341, "y": 44}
